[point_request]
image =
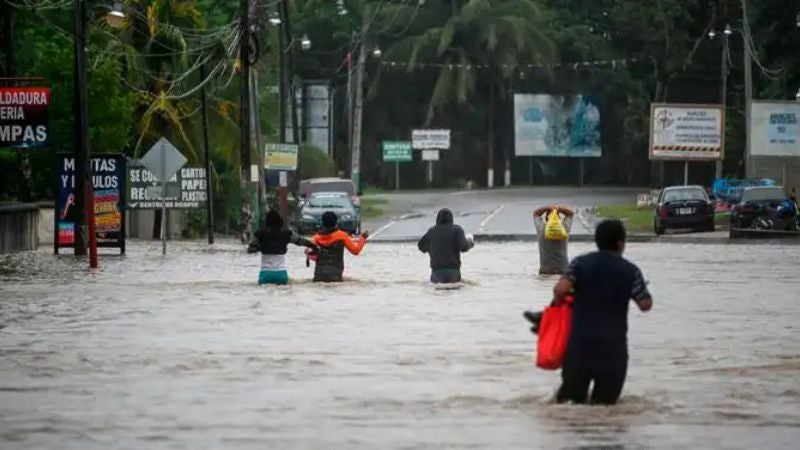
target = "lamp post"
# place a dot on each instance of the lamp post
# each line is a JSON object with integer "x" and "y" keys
{"x": 726, "y": 33}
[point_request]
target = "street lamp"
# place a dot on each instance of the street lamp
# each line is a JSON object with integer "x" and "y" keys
{"x": 274, "y": 19}
{"x": 728, "y": 30}
{"x": 377, "y": 52}
{"x": 305, "y": 43}
{"x": 116, "y": 17}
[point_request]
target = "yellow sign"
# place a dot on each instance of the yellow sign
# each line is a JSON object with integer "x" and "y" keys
{"x": 280, "y": 157}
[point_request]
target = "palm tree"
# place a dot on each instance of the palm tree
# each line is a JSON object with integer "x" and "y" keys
{"x": 477, "y": 43}
{"x": 164, "y": 45}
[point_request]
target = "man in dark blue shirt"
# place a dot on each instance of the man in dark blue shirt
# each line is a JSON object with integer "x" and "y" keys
{"x": 602, "y": 282}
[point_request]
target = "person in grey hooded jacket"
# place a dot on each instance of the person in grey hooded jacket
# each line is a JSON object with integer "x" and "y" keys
{"x": 445, "y": 242}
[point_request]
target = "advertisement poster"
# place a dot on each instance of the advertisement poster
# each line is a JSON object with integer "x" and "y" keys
{"x": 280, "y": 157}
{"x": 108, "y": 179}
{"x": 775, "y": 129}
{"x": 686, "y": 132}
{"x": 185, "y": 190}
{"x": 23, "y": 116}
{"x": 549, "y": 125}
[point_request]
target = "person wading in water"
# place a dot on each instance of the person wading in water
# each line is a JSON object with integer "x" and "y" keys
{"x": 553, "y": 258}
{"x": 445, "y": 242}
{"x": 331, "y": 242}
{"x": 602, "y": 283}
{"x": 272, "y": 241}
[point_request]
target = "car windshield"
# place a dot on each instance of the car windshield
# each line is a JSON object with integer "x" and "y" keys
{"x": 332, "y": 186}
{"x": 775, "y": 193}
{"x": 327, "y": 201}
{"x": 682, "y": 195}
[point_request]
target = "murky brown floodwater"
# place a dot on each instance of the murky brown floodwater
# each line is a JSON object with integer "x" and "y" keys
{"x": 187, "y": 352}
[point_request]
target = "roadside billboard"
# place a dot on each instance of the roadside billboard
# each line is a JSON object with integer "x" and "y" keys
{"x": 775, "y": 128}
{"x": 23, "y": 116}
{"x": 550, "y": 125}
{"x": 686, "y": 132}
{"x": 108, "y": 179}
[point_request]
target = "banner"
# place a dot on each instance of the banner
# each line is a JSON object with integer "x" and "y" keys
{"x": 687, "y": 132}
{"x": 548, "y": 125}
{"x": 775, "y": 128}
{"x": 185, "y": 190}
{"x": 23, "y": 116}
{"x": 108, "y": 181}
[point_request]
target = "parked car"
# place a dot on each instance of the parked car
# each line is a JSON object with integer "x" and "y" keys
{"x": 764, "y": 208}
{"x": 315, "y": 185}
{"x": 310, "y": 214}
{"x": 684, "y": 207}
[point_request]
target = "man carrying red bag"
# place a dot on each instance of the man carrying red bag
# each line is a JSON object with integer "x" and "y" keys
{"x": 601, "y": 285}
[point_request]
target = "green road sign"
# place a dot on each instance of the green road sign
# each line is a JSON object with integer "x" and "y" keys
{"x": 397, "y": 151}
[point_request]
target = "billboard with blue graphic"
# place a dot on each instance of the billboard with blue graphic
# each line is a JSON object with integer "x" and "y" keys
{"x": 553, "y": 125}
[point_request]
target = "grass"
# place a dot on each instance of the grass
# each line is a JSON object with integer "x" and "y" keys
{"x": 370, "y": 207}
{"x": 635, "y": 219}
{"x": 641, "y": 219}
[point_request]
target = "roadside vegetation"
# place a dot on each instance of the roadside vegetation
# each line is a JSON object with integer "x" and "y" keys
{"x": 640, "y": 220}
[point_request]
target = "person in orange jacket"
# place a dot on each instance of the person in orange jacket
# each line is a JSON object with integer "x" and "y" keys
{"x": 331, "y": 242}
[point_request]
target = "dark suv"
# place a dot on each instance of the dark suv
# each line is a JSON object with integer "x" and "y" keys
{"x": 764, "y": 208}
{"x": 684, "y": 207}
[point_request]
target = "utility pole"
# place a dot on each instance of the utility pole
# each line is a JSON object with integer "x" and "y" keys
{"x": 287, "y": 29}
{"x": 355, "y": 161}
{"x": 723, "y": 94}
{"x": 244, "y": 55}
{"x": 209, "y": 192}
{"x": 281, "y": 83}
{"x": 748, "y": 92}
{"x": 84, "y": 189}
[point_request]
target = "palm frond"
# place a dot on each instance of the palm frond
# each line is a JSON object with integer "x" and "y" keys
{"x": 474, "y": 9}
{"x": 446, "y": 38}
{"x": 441, "y": 92}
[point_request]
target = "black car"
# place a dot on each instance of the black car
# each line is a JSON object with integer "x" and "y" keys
{"x": 684, "y": 207}
{"x": 764, "y": 208}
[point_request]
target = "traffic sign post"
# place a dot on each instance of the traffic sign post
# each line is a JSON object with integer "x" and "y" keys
{"x": 397, "y": 152}
{"x": 163, "y": 160}
{"x": 281, "y": 157}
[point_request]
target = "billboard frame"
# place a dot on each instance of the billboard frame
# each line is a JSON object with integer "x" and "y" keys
{"x": 719, "y": 107}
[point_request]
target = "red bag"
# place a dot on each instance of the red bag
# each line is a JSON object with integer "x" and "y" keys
{"x": 553, "y": 334}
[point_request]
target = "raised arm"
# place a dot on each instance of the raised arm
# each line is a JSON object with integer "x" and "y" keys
{"x": 566, "y": 211}
{"x": 539, "y": 211}
{"x": 355, "y": 247}
{"x": 296, "y": 239}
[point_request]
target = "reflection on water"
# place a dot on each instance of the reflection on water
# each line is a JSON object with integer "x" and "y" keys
{"x": 187, "y": 351}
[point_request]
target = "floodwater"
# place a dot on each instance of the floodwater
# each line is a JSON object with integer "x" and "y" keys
{"x": 185, "y": 351}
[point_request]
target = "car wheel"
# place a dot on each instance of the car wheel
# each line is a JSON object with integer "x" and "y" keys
{"x": 659, "y": 229}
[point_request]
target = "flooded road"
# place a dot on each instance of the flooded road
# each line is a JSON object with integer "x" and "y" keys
{"x": 187, "y": 352}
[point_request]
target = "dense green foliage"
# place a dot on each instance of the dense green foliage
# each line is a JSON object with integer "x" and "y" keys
{"x": 445, "y": 63}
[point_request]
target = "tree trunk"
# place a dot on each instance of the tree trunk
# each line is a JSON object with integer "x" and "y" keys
{"x": 8, "y": 39}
